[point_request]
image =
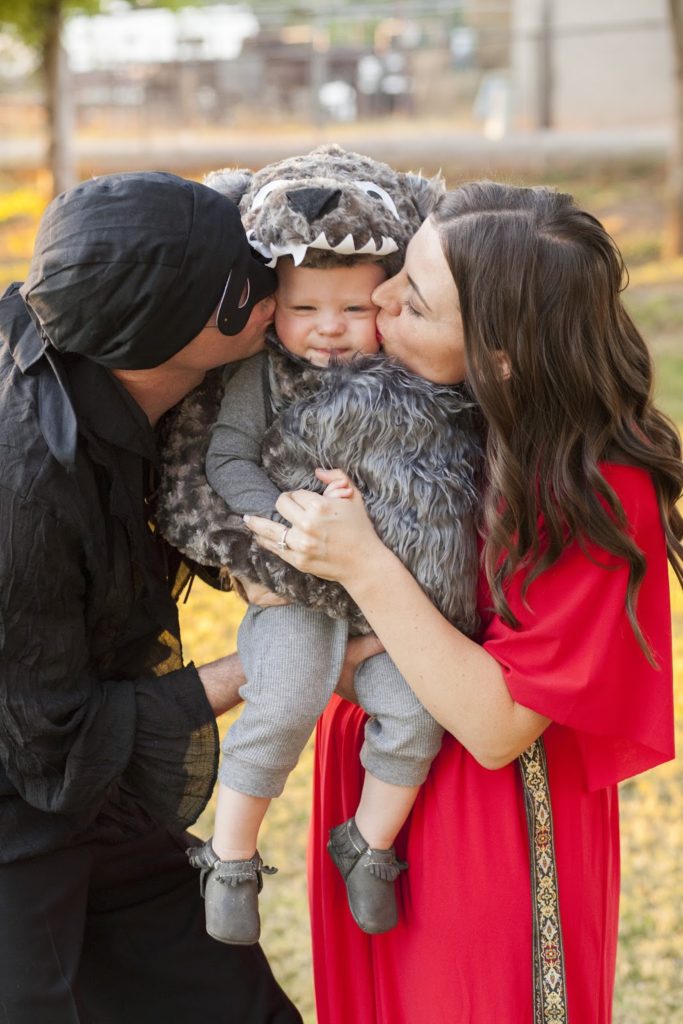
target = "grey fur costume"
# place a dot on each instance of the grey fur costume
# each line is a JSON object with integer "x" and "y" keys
{"x": 413, "y": 448}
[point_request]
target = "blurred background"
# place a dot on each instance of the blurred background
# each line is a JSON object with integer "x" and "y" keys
{"x": 585, "y": 95}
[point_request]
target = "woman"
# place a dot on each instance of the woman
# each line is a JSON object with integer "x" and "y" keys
{"x": 509, "y": 906}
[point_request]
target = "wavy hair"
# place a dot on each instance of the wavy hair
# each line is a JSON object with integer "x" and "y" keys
{"x": 563, "y": 377}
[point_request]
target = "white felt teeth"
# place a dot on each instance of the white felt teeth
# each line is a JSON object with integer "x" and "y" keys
{"x": 345, "y": 248}
{"x": 370, "y": 248}
{"x": 259, "y": 246}
{"x": 279, "y": 250}
{"x": 298, "y": 252}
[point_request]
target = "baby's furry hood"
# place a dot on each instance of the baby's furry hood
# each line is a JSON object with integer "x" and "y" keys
{"x": 413, "y": 448}
{"x": 330, "y": 207}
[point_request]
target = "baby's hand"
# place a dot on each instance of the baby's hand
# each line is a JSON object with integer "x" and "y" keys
{"x": 338, "y": 483}
{"x": 256, "y": 593}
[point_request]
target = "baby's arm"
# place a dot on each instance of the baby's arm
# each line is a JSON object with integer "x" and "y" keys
{"x": 233, "y": 460}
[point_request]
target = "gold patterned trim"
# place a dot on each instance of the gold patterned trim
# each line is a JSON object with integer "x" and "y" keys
{"x": 550, "y": 987}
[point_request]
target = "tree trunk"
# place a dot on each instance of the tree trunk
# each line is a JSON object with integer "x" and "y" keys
{"x": 674, "y": 235}
{"x": 545, "y": 66}
{"x": 58, "y": 102}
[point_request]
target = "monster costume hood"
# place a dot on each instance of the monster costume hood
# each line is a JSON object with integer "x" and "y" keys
{"x": 413, "y": 448}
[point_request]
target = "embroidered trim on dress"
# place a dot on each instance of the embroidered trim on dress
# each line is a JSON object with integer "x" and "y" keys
{"x": 550, "y": 987}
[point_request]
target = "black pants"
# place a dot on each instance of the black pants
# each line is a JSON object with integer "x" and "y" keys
{"x": 115, "y": 935}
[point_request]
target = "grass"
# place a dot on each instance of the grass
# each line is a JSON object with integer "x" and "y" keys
{"x": 669, "y": 385}
{"x": 650, "y": 964}
{"x": 209, "y": 624}
{"x": 649, "y": 987}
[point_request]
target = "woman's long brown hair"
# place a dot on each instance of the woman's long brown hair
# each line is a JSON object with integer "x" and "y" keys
{"x": 563, "y": 377}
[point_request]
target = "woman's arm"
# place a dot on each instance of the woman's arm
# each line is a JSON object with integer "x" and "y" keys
{"x": 459, "y": 683}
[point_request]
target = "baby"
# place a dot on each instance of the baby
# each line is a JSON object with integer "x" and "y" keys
{"x": 292, "y": 655}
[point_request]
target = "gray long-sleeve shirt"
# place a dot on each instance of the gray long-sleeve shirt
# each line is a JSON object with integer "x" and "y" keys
{"x": 233, "y": 461}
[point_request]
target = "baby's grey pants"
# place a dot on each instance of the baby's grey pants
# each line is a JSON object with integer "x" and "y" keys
{"x": 292, "y": 657}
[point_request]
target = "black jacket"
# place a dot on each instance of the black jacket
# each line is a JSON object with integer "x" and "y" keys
{"x": 102, "y": 731}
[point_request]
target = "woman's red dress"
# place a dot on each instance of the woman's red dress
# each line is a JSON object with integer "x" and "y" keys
{"x": 463, "y": 952}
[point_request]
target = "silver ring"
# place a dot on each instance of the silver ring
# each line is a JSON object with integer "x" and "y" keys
{"x": 282, "y": 543}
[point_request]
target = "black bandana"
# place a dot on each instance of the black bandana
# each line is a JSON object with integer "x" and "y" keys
{"x": 128, "y": 268}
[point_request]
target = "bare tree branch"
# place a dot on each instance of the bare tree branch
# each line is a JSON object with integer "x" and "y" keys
{"x": 674, "y": 238}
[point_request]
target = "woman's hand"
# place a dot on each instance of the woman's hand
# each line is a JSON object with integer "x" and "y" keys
{"x": 329, "y": 537}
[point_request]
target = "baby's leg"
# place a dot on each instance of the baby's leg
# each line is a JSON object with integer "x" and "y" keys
{"x": 383, "y": 811}
{"x": 238, "y": 821}
{"x": 401, "y": 740}
{"x": 401, "y": 737}
{"x": 292, "y": 658}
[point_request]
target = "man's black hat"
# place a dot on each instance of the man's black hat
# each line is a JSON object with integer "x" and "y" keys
{"x": 128, "y": 268}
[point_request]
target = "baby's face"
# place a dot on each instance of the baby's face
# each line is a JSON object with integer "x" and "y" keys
{"x": 324, "y": 312}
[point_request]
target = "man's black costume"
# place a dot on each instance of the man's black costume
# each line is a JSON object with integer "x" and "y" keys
{"x": 108, "y": 745}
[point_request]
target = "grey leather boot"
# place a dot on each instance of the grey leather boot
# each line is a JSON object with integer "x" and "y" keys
{"x": 230, "y": 890}
{"x": 369, "y": 876}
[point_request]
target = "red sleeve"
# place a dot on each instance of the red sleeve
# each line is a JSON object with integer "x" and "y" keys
{"x": 575, "y": 658}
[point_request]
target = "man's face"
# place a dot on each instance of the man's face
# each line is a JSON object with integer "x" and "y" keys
{"x": 211, "y": 348}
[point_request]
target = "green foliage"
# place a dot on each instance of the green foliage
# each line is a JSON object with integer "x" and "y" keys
{"x": 305, "y": 8}
{"x": 29, "y": 18}
{"x": 290, "y": 12}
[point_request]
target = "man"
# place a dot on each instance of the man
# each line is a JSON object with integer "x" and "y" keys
{"x": 139, "y": 284}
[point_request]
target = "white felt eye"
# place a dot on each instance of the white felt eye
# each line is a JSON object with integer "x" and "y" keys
{"x": 263, "y": 193}
{"x": 378, "y": 191}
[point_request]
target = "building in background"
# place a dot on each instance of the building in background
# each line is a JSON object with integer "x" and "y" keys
{"x": 578, "y": 64}
{"x": 478, "y": 66}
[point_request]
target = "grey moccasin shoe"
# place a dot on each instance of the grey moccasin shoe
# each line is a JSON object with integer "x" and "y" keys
{"x": 230, "y": 890}
{"x": 369, "y": 876}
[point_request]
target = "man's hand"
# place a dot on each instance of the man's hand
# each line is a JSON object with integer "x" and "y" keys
{"x": 222, "y": 680}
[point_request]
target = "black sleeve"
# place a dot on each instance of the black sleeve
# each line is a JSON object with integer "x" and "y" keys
{"x": 66, "y": 735}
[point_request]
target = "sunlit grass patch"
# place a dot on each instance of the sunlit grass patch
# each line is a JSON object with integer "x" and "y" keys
{"x": 21, "y": 206}
{"x": 649, "y": 987}
{"x": 209, "y": 623}
{"x": 657, "y": 272}
{"x": 21, "y": 203}
{"x": 650, "y": 961}
{"x": 669, "y": 385}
